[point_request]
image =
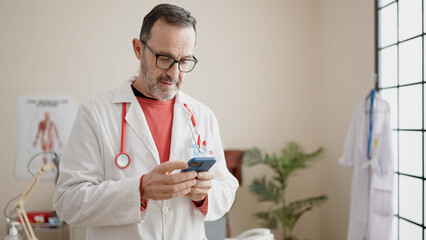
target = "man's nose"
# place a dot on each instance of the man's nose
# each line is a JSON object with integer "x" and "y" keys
{"x": 173, "y": 72}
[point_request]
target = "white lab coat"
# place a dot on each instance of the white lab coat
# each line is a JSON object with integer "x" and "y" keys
{"x": 371, "y": 209}
{"x": 93, "y": 192}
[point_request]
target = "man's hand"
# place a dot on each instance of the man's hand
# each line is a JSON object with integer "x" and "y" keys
{"x": 201, "y": 188}
{"x": 159, "y": 184}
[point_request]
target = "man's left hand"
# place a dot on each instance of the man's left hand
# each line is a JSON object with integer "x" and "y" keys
{"x": 201, "y": 188}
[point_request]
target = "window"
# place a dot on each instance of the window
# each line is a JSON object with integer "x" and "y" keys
{"x": 400, "y": 53}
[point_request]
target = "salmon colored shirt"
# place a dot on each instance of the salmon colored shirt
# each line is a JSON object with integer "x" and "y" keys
{"x": 159, "y": 115}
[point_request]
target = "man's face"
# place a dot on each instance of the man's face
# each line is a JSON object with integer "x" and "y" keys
{"x": 172, "y": 41}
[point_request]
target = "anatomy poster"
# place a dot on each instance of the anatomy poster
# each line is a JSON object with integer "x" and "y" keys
{"x": 43, "y": 127}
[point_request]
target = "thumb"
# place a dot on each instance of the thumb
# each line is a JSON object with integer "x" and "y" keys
{"x": 170, "y": 166}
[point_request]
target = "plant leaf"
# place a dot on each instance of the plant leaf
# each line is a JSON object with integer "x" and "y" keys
{"x": 298, "y": 208}
{"x": 266, "y": 190}
{"x": 293, "y": 158}
{"x": 252, "y": 157}
{"x": 269, "y": 220}
{"x": 308, "y": 202}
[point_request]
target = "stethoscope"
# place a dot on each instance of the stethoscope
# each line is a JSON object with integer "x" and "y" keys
{"x": 370, "y": 130}
{"x": 195, "y": 132}
{"x": 122, "y": 160}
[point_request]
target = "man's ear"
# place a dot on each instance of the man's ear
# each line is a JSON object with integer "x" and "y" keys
{"x": 137, "y": 48}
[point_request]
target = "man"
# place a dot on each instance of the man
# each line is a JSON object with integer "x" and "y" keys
{"x": 120, "y": 173}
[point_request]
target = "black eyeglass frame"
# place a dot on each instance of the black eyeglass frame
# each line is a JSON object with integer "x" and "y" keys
{"x": 195, "y": 60}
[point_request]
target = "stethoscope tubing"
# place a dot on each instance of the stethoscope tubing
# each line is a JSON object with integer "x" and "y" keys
{"x": 196, "y": 132}
{"x": 123, "y": 127}
{"x": 122, "y": 155}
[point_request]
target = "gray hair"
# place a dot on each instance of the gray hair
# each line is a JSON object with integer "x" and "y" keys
{"x": 170, "y": 13}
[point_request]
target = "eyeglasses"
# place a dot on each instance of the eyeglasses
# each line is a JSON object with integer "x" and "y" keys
{"x": 165, "y": 62}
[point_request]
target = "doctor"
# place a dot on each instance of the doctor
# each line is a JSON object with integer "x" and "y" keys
{"x": 120, "y": 173}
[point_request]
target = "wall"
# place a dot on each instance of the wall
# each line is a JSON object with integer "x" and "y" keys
{"x": 346, "y": 70}
{"x": 272, "y": 71}
{"x": 271, "y": 96}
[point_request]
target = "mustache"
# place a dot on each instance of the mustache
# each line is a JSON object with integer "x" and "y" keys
{"x": 168, "y": 79}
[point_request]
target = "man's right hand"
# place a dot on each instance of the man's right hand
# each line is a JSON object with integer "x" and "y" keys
{"x": 160, "y": 184}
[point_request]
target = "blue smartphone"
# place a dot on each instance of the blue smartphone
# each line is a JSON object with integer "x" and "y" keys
{"x": 200, "y": 164}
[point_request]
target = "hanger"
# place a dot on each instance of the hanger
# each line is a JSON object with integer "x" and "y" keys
{"x": 376, "y": 86}
{"x": 375, "y": 90}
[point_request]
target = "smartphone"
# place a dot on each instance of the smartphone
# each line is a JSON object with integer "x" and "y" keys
{"x": 200, "y": 164}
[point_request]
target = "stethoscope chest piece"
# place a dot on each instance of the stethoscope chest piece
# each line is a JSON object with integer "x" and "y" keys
{"x": 122, "y": 160}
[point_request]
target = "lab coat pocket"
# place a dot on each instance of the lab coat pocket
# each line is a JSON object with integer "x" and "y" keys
{"x": 381, "y": 195}
{"x": 382, "y": 202}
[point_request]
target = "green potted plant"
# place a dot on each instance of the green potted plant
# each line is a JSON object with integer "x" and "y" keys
{"x": 272, "y": 190}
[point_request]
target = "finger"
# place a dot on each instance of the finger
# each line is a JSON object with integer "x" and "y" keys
{"x": 198, "y": 193}
{"x": 195, "y": 198}
{"x": 173, "y": 188}
{"x": 178, "y": 177}
{"x": 165, "y": 196}
{"x": 205, "y": 175}
{"x": 157, "y": 186}
{"x": 170, "y": 166}
{"x": 206, "y": 184}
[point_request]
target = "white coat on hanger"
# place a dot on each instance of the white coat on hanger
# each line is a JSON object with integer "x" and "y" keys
{"x": 371, "y": 210}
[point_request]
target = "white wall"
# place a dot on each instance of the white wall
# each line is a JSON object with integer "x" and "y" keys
{"x": 272, "y": 71}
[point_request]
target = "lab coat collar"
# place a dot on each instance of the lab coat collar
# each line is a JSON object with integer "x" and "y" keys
{"x": 124, "y": 93}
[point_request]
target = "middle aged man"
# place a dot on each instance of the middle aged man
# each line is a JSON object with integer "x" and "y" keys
{"x": 120, "y": 173}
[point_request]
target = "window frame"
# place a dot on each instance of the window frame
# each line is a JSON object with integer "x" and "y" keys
{"x": 398, "y": 130}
